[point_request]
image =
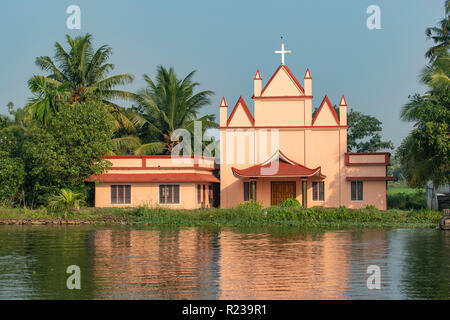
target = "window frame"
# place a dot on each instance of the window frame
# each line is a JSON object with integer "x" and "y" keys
{"x": 247, "y": 185}
{"x": 210, "y": 194}
{"x": 199, "y": 193}
{"x": 318, "y": 191}
{"x": 356, "y": 190}
{"x": 173, "y": 194}
{"x": 124, "y": 195}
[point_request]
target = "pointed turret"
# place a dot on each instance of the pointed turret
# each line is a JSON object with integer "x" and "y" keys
{"x": 223, "y": 112}
{"x": 308, "y": 83}
{"x": 343, "y": 112}
{"x": 257, "y": 84}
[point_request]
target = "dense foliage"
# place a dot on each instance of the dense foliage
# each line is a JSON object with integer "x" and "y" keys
{"x": 67, "y": 151}
{"x": 12, "y": 175}
{"x": 425, "y": 152}
{"x": 364, "y": 133}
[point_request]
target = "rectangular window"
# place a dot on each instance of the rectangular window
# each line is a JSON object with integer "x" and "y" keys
{"x": 210, "y": 194}
{"x": 246, "y": 191}
{"x": 120, "y": 194}
{"x": 199, "y": 193}
{"x": 204, "y": 195}
{"x": 356, "y": 190}
{"x": 169, "y": 193}
{"x": 318, "y": 191}
{"x": 250, "y": 190}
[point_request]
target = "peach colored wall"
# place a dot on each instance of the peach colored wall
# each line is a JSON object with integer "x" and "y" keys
{"x": 366, "y": 171}
{"x": 240, "y": 118}
{"x": 281, "y": 85}
{"x": 325, "y": 117}
{"x": 370, "y": 158}
{"x": 130, "y": 162}
{"x": 147, "y": 194}
{"x": 292, "y": 142}
{"x": 374, "y": 193}
{"x": 287, "y": 112}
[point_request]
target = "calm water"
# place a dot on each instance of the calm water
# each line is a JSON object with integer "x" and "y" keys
{"x": 130, "y": 263}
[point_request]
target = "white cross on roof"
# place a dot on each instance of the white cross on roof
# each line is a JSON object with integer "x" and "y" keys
{"x": 282, "y": 52}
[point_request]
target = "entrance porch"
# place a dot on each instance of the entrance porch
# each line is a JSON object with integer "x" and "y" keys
{"x": 286, "y": 179}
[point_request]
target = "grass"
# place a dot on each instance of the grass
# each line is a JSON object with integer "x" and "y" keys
{"x": 406, "y": 198}
{"x": 244, "y": 216}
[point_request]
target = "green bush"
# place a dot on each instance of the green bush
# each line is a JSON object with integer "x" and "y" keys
{"x": 290, "y": 203}
{"x": 250, "y": 205}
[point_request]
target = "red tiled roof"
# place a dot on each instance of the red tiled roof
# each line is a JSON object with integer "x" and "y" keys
{"x": 153, "y": 177}
{"x": 286, "y": 168}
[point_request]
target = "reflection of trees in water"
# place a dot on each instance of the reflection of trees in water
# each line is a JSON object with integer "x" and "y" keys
{"x": 426, "y": 266}
{"x": 47, "y": 252}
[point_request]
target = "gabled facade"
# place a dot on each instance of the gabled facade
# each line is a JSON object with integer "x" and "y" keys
{"x": 282, "y": 151}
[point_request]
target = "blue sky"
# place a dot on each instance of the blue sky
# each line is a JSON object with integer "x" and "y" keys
{"x": 226, "y": 41}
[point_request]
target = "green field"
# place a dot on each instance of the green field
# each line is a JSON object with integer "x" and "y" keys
{"x": 406, "y": 198}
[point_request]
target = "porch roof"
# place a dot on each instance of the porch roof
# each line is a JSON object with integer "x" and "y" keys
{"x": 278, "y": 166}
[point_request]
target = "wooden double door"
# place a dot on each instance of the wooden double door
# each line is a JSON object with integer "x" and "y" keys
{"x": 282, "y": 190}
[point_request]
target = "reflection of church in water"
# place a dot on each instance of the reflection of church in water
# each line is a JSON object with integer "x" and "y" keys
{"x": 196, "y": 264}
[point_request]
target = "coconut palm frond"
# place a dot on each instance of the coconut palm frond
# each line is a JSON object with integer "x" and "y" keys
{"x": 126, "y": 143}
{"x": 150, "y": 148}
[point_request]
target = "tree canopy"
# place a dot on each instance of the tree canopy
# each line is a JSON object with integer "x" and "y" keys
{"x": 425, "y": 152}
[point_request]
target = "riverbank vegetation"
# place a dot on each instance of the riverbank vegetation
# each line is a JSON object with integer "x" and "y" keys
{"x": 248, "y": 214}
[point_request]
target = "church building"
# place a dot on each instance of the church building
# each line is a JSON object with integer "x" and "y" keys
{"x": 284, "y": 151}
{"x": 280, "y": 151}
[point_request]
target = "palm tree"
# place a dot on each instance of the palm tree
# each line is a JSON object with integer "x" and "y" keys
{"x": 66, "y": 201}
{"x": 166, "y": 105}
{"x": 84, "y": 70}
{"x": 437, "y": 74}
{"x": 80, "y": 74}
{"x": 440, "y": 35}
{"x": 48, "y": 94}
